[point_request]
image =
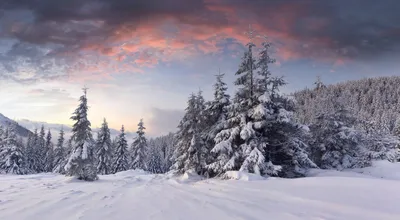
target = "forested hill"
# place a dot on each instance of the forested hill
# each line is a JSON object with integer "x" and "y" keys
{"x": 373, "y": 101}
{"x": 20, "y": 131}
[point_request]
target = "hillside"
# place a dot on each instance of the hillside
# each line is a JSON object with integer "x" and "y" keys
{"x": 20, "y": 130}
{"x": 137, "y": 195}
{"x": 374, "y": 101}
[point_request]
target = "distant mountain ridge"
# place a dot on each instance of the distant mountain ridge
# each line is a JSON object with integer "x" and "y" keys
{"x": 55, "y": 129}
{"x": 20, "y": 130}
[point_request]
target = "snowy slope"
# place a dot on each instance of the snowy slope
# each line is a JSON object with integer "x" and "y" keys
{"x": 136, "y": 195}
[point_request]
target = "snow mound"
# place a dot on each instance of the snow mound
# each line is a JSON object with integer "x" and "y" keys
{"x": 128, "y": 173}
{"x": 382, "y": 169}
{"x": 379, "y": 169}
{"x": 239, "y": 175}
{"x": 191, "y": 177}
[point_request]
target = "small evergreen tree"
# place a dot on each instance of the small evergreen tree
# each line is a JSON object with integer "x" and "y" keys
{"x": 121, "y": 151}
{"x": 49, "y": 159}
{"x": 336, "y": 144}
{"x": 41, "y": 150}
{"x": 154, "y": 158}
{"x": 11, "y": 155}
{"x": 81, "y": 162}
{"x": 319, "y": 84}
{"x": 33, "y": 153}
{"x": 103, "y": 146}
{"x": 59, "y": 154}
{"x": 139, "y": 147}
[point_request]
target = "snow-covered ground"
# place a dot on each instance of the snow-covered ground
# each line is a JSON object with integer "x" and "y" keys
{"x": 136, "y": 195}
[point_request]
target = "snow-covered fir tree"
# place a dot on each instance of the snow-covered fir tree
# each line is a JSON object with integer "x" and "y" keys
{"x": 33, "y": 153}
{"x": 154, "y": 158}
{"x": 165, "y": 146}
{"x": 104, "y": 149}
{"x": 121, "y": 153}
{"x": 11, "y": 155}
{"x": 41, "y": 149}
{"x": 258, "y": 133}
{"x": 190, "y": 153}
{"x": 49, "y": 157}
{"x": 138, "y": 148}
{"x": 381, "y": 147}
{"x": 396, "y": 130}
{"x": 81, "y": 161}
{"x": 59, "y": 154}
{"x": 319, "y": 84}
{"x": 336, "y": 143}
{"x": 216, "y": 113}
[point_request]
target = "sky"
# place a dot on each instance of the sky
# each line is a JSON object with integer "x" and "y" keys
{"x": 143, "y": 58}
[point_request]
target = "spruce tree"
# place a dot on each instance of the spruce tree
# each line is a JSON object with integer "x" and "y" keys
{"x": 154, "y": 158}
{"x": 41, "y": 150}
{"x": 216, "y": 112}
{"x": 190, "y": 153}
{"x": 336, "y": 144}
{"x": 103, "y": 152}
{"x": 59, "y": 154}
{"x": 49, "y": 157}
{"x": 319, "y": 84}
{"x": 81, "y": 161}
{"x": 33, "y": 153}
{"x": 121, "y": 153}
{"x": 11, "y": 156}
{"x": 139, "y": 147}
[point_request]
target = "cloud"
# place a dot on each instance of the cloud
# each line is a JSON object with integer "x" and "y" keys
{"x": 163, "y": 121}
{"x": 83, "y": 39}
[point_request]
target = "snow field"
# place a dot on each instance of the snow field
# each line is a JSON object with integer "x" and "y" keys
{"x": 138, "y": 195}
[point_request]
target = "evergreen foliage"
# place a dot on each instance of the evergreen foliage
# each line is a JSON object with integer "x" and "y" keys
{"x": 81, "y": 161}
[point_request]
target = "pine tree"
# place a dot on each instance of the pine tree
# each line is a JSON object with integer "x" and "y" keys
{"x": 11, "y": 155}
{"x": 81, "y": 162}
{"x": 139, "y": 147}
{"x": 49, "y": 157}
{"x": 59, "y": 154}
{"x": 190, "y": 152}
{"x": 121, "y": 153}
{"x": 103, "y": 146}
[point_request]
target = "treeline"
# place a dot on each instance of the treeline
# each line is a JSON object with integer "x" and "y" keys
{"x": 374, "y": 102}
{"x": 82, "y": 155}
{"x": 257, "y": 130}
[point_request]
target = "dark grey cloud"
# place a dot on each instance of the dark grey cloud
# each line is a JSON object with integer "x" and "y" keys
{"x": 50, "y": 34}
